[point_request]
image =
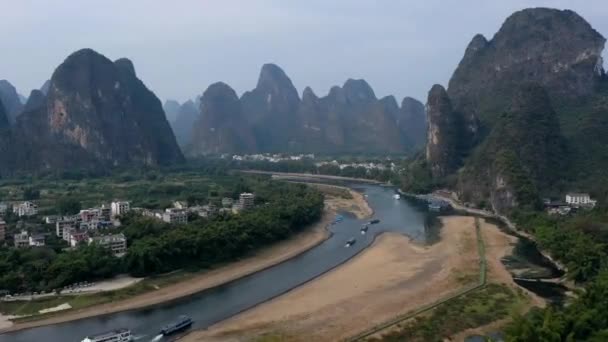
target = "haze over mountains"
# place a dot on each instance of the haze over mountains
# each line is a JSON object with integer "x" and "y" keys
{"x": 524, "y": 115}
{"x": 273, "y": 118}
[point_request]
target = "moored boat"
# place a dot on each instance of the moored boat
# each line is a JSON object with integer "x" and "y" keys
{"x": 182, "y": 323}
{"x": 118, "y": 335}
{"x": 374, "y": 221}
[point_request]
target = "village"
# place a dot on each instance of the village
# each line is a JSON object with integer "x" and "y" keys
{"x": 572, "y": 203}
{"x": 101, "y": 225}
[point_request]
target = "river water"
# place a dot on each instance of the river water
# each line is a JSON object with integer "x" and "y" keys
{"x": 214, "y": 305}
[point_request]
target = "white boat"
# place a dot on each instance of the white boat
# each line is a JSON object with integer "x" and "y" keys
{"x": 118, "y": 335}
{"x": 396, "y": 196}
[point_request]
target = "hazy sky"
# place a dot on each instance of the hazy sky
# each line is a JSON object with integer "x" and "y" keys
{"x": 179, "y": 47}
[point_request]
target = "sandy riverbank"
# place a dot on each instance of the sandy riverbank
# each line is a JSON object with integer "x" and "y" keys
{"x": 350, "y": 200}
{"x": 268, "y": 257}
{"x": 499, "y": 245}
{"x": 391, "y": 277}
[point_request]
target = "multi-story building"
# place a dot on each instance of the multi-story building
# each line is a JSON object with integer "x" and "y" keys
{"x": 25, "y": 209}
{"x": 579, "y": 199}
{"x": 120, "y": 208}
{"x": 246, "y": 201}
{"x": 22, "y": 239}
{"x": 175, "y": 216}
{"x": 88, "y": 215}
{"x": 37, "y": 240}
{"x": 2, "y": 231}
{"x": 61, "y": 226}
{"x": 76, "y": 237}
{"x": 51, "y": 219}
{"x": 180, "y": 205}
{"x": 117, "y": 243}
{"x": 105, "y": 212}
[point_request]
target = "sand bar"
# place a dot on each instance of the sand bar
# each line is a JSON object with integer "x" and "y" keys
{"x": 391, "y": 277}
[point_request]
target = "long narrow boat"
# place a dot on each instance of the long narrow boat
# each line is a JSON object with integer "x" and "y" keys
{"x": 118, "y": 335}
{"x": 182, "y": 323}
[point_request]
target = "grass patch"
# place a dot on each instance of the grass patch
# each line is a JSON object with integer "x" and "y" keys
{"x": 31, "y": 308}
{"x": 488, "y": 304}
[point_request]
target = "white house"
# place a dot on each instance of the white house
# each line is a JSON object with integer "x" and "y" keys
{"x": 37, "y": 240}
{"x": 119, "y": 208}
{"x": 26, "y": 209}
{"x": 180, "y": 205}
{"x": 175, "y": 216}
{"x": 61, "y": 226}
{"x": 579, "y": 199}
{"x": 22, "y": 239}
{"x": 117, "y": 243}
{"x": 76, "y": 237}
{"x": 246, "y": 201}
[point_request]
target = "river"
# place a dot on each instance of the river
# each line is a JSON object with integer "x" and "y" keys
{"x": 214, "y": 305}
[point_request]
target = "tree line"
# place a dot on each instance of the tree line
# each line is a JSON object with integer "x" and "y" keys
{"x": 156, "y": 247}
{"x": 580, "y": 243}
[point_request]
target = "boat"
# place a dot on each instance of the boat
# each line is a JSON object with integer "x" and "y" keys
{"x": 396, "y": 196}
{"x": 351, "y": 241}
{"x": 182, "y": 322}
{"x": 364, "y": 228}
{"x": 118, "y": 335}
{"x": 374, "y": 221}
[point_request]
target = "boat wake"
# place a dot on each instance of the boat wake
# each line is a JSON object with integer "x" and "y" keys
{"x": 157, "y": 338}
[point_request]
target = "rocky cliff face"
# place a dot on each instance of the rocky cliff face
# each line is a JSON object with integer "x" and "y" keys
{"x": 556, "y": 49}
{"x": 221, "y": 127}
{"x": 97, "y": 114}
{"x": 515, "y": 146}
{"x": 5, "y": 142}
{"x": 270, "y": 109}
{"x": 522, "y": 156}
{"x": 444, "y": 135}
{"x": 412, "y": 122}
{"x": 35, "y": 101}
{"x": 10, "y": 99}
{"x": 186, "y": 117}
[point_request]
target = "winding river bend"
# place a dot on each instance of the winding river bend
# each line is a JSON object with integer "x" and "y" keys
{"x": 214, "y": 305}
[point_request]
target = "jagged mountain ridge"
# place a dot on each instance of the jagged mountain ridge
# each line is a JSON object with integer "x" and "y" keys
{"x": 350, "y": 119}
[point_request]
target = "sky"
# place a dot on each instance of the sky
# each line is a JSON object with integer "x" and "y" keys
{"x": 180, "y": 47}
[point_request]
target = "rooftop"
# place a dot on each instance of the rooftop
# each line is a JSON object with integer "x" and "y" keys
{"x": 108, "y": 333}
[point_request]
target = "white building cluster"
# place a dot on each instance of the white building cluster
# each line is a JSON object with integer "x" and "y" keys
{"x": 26, "y": 208}
{"x": 573, "y": 202}
{"x": 273, "y": 158}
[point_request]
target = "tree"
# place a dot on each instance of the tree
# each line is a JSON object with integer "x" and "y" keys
{"x": 68, "y": 206}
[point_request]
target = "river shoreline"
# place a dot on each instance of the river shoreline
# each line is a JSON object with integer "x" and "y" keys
{"x": 266, "y": 258}
{"x": 401, "y": 275}
{"x": 487, "y": 214}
